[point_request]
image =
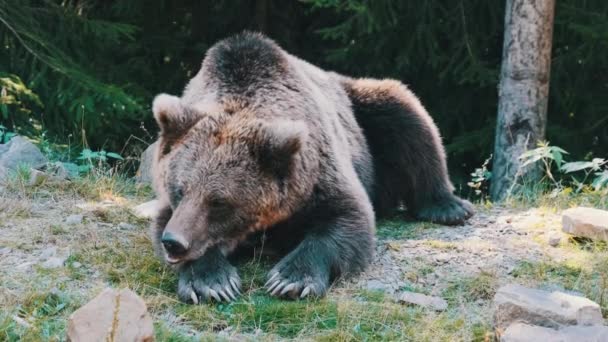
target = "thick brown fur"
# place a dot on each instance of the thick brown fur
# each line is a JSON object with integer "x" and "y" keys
{"x": 263, "y": 143}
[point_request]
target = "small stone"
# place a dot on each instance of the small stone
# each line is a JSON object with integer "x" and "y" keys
{"x": 74, "y": 219}
{"x": 376, "y": 285}
{"x": 53, "y": 262}
{"x": 59, "y": 170}
{"x": 147, "y": 210}
{"x": 521, "y": 332}
{"x": 36, "y": 177}
{"x": 442, "y": 258}
{"x": 117, "y": 315}
{"x": 76, "y": 264}
{"x": 586, "y": 222}
{"x": 554, "y": 239}
{"x": 431, "y": 302}
{"x": 126, "y": 226}
{"x": 48, "y": 252}
{"x": 549, "y": 309}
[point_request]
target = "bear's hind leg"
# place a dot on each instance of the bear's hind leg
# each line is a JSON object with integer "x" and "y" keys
{"x": 409, "y": 158}
{"x": 211, "y": 277}
{"x": 332, "y": 249}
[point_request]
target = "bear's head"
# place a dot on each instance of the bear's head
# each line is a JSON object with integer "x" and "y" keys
{"x": 225, "y": 174}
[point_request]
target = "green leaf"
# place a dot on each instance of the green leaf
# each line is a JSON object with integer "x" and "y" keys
{"x": 8, "y": 136}
{"x": 558, "y": 157}
{"x": 114, "y": 155}
{"x": 84, "y": 168}
{"x": 86, "y": 154}
{"x": 576, "y": 166}
{"x": 72, "y": 169}
{"x": 601, "y": 180}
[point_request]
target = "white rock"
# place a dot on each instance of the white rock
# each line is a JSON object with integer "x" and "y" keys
{"x": 521, "y": 332}
{"x": 147, "y": 210}
{"x": 126, "y": 226}
{"x": 376, "y": 285}
{"x": 112, "y": 315}
{"x": 435, "y": 303}
{"x": 586, "y": 222}
{"x": 4, "y": 174}
{"x": 48, "y": 252}
{"x": 554, "y": 239}
{"x": 59, "y": 170}
{"x": 53, "y": 262}
{"x": 20, "y": 151}
{"x": 550, "y": 309}
{"x": 36, "y": 177}
{"x": 74, "y": 219}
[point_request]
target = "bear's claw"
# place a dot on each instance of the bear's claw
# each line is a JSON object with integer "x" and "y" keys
{"x": 451, "y": 211}
{"x": 201, "y": 283}
{"x": 291, "y": 284}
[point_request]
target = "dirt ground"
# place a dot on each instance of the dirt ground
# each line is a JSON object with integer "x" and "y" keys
{"x": 70, "y": 244}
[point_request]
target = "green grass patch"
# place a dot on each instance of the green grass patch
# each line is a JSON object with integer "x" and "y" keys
{"x": 41, "y": 316}
{"x": 399, "y": 229}
{"x": 482, "y": 286}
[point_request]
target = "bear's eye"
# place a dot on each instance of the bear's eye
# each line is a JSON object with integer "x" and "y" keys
{"x": 217, "y": 203}
{"x": 177, "y": 194}
{"x": 219, "y": 207}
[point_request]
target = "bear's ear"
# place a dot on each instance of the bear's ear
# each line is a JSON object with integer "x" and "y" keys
{"x": 173, "y": 119}
{"x": 279, "y": 143}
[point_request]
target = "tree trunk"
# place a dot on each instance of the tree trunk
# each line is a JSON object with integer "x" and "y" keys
{"x": 523, "y": 91}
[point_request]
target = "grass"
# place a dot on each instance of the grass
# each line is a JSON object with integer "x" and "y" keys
{"x": 37, "y": 304}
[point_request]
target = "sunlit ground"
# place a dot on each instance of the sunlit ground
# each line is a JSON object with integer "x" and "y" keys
{"x": 110, "y": 247}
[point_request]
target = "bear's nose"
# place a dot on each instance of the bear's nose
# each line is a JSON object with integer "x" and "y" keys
{"x": 174, "y": 245}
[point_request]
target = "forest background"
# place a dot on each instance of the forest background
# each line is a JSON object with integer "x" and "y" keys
{"x": 82, "y": 73}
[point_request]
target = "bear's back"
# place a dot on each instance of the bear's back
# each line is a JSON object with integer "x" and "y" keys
{"x": 254, "y": 71}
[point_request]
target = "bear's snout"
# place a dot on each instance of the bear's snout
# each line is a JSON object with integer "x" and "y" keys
{"x": 175, "y": 246}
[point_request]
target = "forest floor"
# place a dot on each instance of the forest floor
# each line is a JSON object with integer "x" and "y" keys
{"x": 61, "y": 244}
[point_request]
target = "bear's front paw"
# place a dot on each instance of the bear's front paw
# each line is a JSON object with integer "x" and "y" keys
{"x": 451, "y": 211}
{"x": 200, "y": 282}
{"x": 293, "y": 278}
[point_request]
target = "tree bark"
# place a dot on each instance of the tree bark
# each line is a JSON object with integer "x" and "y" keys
{"x": 523, "y": 91}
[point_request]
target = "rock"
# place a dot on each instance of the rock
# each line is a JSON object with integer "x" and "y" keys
{"x": 48, "y": 252}
{"x": 376, "y": 285}
{"x": 144, "y": 172}
{"x": 114, "y": 315}
{"x": 586, "y": 222}
{"x": 54, "y": 262}
{"x": 74, "y": 219}
{"x": 20, "y": 151}
{"x": 60, "y": 171}
{"x": 76, "y": 264}
{"x": 126, "y": 226}
{"x": 549, "y": 309}
{"x": 554, "y": 239}
{"x": 435, "y": 303}
{"x": 147, "y": 210}
{"x": 521, "y": 332}
{"x": 4, "y": 173}
{"x": 36, "y": 177}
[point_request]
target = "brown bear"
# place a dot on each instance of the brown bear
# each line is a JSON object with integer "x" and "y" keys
{"x": 265, "y": 149}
